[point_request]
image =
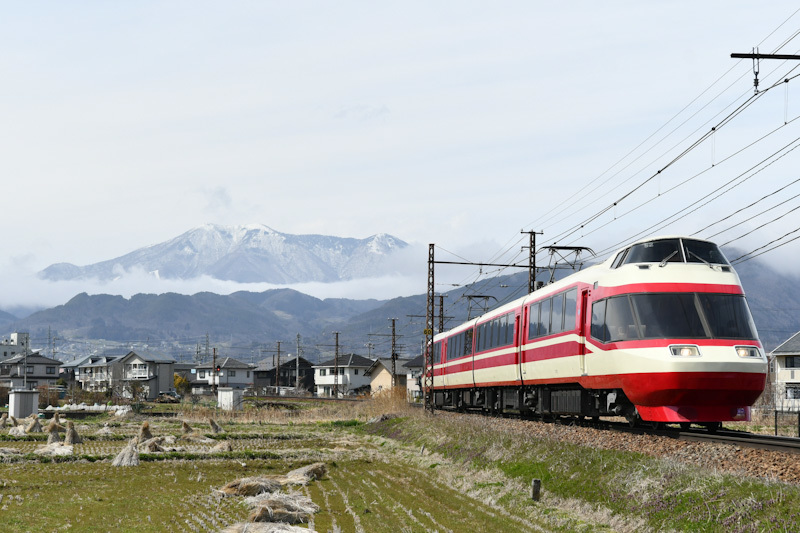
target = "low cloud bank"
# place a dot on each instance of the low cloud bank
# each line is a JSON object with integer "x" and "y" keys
{"x": 25, "y": 292}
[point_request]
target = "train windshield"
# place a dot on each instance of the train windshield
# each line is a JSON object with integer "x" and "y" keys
{"x": 673, "y": 251}
{"x": 672, "y": 315}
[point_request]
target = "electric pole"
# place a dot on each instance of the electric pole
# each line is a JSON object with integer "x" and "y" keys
{"x": 336, "y": 366}
{"x": 297, "y": 367}
{"x": 532, "y": 259}
{"x": 441, "y": 313}
{"x": 214, "y": 377}
{"x": 394, "y": 353}
{"x": 427, "y": 382}
{"x": 278, "y": 370}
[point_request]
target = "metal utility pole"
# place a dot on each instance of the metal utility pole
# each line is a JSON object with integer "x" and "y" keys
{"x": 278, "y": 370}
{"x": 532, "y": 259}
{"x": 336, "y": 366}
{"x": 441, "y": 313}
{"x": 427, "y": 382}
{"x": 214, "y": 377}
{"x": 394, "y": 353}
{"x": 297, "y": 366}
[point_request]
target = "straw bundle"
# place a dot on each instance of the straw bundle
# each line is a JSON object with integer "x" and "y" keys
{"x": 250, "y": 486}
{"x": 265, "y": 527}
{"x": 129, "y": 456}
{"x": 289, "y": 508}
{"x": 72, "y": 436}
{"x": 144, "y": 432}
{"x": 214, "y": 426}
{"x": 223, "y": 446}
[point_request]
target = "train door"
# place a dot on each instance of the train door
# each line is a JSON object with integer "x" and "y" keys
{"x": 444, "y": 359}
{"x": 519, "y": 327}
{"x": 583, "y": 328}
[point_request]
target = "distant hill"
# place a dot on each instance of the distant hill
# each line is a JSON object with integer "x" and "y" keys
{"x": 246, "y": 254}
{"x": 251, "y": 320}
{"x": 6, "y": 318}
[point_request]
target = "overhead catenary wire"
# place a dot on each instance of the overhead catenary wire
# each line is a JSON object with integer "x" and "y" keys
{"x": 591, "y": 220}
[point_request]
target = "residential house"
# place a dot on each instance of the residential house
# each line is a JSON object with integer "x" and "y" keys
{"x": 187, "y": 371}
{"x": 265, "y": 371}
{"x": 17, "y": 343}
{"x": 350, "y": 379}
{"x": 380, "y": 375}
{"x": 415, "y": 368}
{"x": 97, "y": 373}
{"x": 146, "y": 373}
{"x": 785, "y": 369}
{"x": 28, "y": 371}
{"x": 229, "y": 372}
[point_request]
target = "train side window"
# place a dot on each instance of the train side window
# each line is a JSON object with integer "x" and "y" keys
{"x": 558, "y": 314}
{"x": 544, "y": 319}
{"x": 481, "y": 337}
{"x": 501, "y": 338}
{"x": 509, "y": 329}
{"x": 533, "y": 321}
{"x": 437, "y": 353}
{"x": 599, "y": 331}
{"x": 570, "y": 309}
{"x": 468, "y": 342}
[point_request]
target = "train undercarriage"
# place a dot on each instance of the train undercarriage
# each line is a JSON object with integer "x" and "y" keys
{"x": 548, "y": 402}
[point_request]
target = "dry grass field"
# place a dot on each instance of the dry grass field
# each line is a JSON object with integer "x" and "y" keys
{"x": 409, "y": 472}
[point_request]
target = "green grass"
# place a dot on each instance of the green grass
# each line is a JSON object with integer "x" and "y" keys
{"x": 628, "y": 488}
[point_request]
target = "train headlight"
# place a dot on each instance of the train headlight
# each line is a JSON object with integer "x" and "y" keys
{"x": 685, "y": 350}
{"x": 748, "y": 351}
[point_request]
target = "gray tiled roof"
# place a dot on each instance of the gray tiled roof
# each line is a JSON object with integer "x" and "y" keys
{"x": 151, "y": 357}
{"x": 399, "y": 365}
{"x": 790, "y": 346}
{"x": 265, "y": 365}
{"x": 416, "y": 362}
{"x": 33, "y": 359}
{"x": 347, "y": 360}
{"x": 226, "y": 362}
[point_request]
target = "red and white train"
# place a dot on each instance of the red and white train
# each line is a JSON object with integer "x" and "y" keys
{"x": 660, "y": 332}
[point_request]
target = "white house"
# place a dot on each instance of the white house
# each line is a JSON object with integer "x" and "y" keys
{"x": 414, "y": 367}
{"x": 351, "y": 378}
{"x": 785, "y": 366}
{"x": 228, "y": 373}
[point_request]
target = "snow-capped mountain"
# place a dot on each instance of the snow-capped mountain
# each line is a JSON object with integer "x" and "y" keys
{"x": 246, "y": 254}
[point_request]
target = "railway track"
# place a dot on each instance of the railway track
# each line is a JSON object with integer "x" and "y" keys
{"x": 729, "y": 437}
{"x": 750, "y": 440}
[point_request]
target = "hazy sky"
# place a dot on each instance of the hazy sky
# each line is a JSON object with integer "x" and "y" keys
{"x": 458, "y": 123}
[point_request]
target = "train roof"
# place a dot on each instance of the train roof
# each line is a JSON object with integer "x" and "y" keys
{"x": 604, "y": 272}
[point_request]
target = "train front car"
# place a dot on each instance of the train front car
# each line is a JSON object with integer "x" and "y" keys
{"x": 671, "y": 329}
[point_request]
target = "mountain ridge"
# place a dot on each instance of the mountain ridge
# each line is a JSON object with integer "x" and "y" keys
{"x": 245, "y": 254}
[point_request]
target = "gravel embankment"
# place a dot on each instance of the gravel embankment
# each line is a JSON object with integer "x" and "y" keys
{"x": 750, "y": 462}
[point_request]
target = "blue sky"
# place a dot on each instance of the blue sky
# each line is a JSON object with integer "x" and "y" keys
{"x": 458, "y": 123}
